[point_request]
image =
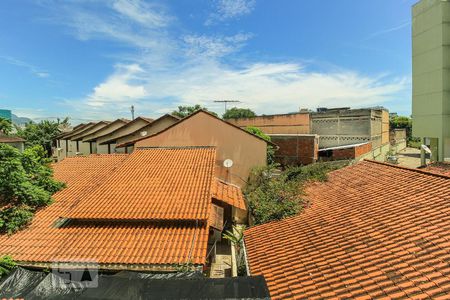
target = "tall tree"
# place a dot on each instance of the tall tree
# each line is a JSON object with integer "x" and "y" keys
{"x": 184, "y": 111}
{"x": 26, "y": 183}
{"x": 43, "y": 133}
{"x": 235, "y": 113}
{"x": 5, "y": 126}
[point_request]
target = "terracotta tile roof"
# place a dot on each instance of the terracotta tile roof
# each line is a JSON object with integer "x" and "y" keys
{"x": 154, "y": 183}
{"x": 228, "y": 193}
{"x": 138, "y": 244}
{"x": 373, "y": 230}
{"x": 439, "y": 167}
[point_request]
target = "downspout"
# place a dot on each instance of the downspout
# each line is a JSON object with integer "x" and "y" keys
{"x": 192, "y": 244}
{"x": 245, "y": 257}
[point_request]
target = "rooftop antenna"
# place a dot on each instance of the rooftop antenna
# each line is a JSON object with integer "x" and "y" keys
{"x": 225, "y": 102}
{"x": 132, "y": 112}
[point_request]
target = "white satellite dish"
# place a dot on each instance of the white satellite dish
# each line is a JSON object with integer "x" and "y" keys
{"x": 143, "y": 133}
{"x": 426, "y": 149}
{"x": 227, "y": 163}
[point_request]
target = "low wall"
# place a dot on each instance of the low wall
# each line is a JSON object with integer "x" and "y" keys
{"x": 295, "y": 123}
{"x": 295, "y": 149}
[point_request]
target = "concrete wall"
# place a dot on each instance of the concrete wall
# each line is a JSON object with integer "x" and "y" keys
{"x": 296, "y": 149}
{"x": 296, "y": 123}
{"x": 346, "y": 127}
{"x": 202, "y": 129}
{"x": 431, "y": 73}
{"x": 18, "y": 145}
{"x": 354, "y": 152}
{"x": 397, "y": 138}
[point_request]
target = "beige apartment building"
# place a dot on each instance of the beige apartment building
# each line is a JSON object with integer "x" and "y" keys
{"x": 431, "y": 76}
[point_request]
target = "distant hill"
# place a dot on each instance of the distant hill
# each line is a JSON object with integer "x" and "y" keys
{"x": 20, "y": 120}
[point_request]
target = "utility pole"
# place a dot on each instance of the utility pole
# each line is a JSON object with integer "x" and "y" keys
{"x": 132, "y": 112}
{"x": 225, "y": 102}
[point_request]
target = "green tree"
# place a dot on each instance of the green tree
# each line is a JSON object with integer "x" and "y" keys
{"x": 26, "y": 183}
{"x": 274, "y": 195}
{"x": 184, "y": 111}
{"x": 43, "y": 133}
{"x": 405, "y": 122}
{"x": 401, "y": 122}
{"x": 5, "y": 126}
{"x": 235, "y": 113}
{"x": 270, "y": 150}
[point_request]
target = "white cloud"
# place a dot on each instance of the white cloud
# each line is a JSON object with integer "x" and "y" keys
{"x": 190, "y": 68}
{"x": 122, "y": 87}
{"x": 389, "y": 30}
{"x": 207, "y": 46}
{"x": 275, "y": 88}
{"x": 36, "y": 71}
{"x": 229, "y": 9}
{"x": 141, "y": 12}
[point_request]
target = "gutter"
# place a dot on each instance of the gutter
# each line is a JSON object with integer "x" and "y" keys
{"x": 106, "y": 266}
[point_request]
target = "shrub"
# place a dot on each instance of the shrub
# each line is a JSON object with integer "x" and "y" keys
{"x": 6, "y": 265}
{"x": 274, "y": 195}
{"x": 26, "y": 183}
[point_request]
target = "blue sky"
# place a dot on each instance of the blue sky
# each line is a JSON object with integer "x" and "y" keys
{"x": 91, "y": 59}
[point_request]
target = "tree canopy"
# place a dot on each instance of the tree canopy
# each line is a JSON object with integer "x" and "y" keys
{"x": 5, "y": 126}
{"x": 184, "y": 111}
{"x": 26, "y": 183}
{"x": 401, "y": 122}
{"x": 405, "y": 122}
{"x": 277, "y": 195}
{"x": 234, "y": 113}
{"x": 42, "y": 133}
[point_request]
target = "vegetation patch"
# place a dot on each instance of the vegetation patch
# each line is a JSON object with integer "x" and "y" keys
{"x": 274, "y": 195}
{"x": 26, "y": 184}
{"x": 6, "y": 265}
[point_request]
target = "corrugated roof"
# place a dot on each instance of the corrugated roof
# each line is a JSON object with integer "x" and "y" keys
{"x": 79, "y": 136}
{"x": 228, "y": 193}
{"x": 119, "y": 123}
{"x": 82, "y": 129}
{"x": 140, "y": 243}
{"x": 150, "y": 125}
{"x": 154, "y": 183}
{"x": 372, "y": 231}
{"x": 116, "y": 134}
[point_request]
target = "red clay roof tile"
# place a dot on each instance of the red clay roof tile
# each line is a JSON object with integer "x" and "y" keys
{"x": 228, "y": 193}
{"x": 154, "y": 184}
{"x": 138, "y": 243}
{"x": 372, "y": 230}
